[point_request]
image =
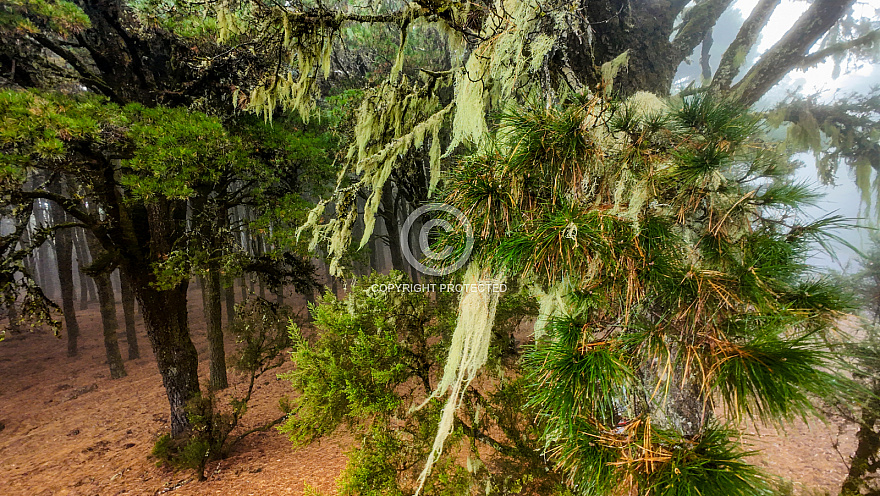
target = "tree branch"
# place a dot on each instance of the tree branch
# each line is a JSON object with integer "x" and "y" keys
{"x": 817, "y": 57}
{"x": 736, "y": 52}
{"x": 70, "y": 206}
{"x": 790, "y": 50}
{"x": 89, "y": 78}
{"x": 697, "y": 23}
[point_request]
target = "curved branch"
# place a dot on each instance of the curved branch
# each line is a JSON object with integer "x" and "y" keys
{"x": 71, "y": 207}
{"x": 90, "y": 79}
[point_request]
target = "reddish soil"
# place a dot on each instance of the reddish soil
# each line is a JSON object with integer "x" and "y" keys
{"x": 71, "y": 430}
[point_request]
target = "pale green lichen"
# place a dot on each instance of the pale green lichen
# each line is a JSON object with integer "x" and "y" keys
{"x": 468, "y": 352}
{"x": 610, "y": 70}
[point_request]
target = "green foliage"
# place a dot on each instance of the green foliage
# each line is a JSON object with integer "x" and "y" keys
{"x": 663, "y": 233}
{"x": 354, "y": 369}
{"x": 31, "y": 16}
{"x": 373, "y": 354}
{"x": 174, "y": 150}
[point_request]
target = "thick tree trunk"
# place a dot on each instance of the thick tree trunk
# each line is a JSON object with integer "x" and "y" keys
{"x": 127, "y": 296}
{"x": 166, "y": 319}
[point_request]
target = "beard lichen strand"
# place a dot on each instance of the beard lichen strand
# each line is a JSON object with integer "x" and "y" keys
{"x": 468, "y": 352}
{"x": 375, "y": 178}
{"x": 550, "y": 304}
{"x": 311, "y": 47}
{"x": 610, "y": 70}
{"x": 489, "y": 78}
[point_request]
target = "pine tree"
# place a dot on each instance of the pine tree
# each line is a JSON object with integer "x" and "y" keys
{"x": 664, "y": 243}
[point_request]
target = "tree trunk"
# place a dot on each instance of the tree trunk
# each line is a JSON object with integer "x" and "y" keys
{"x": 86, "y": 290}
{"x": 165, "y": 315}
{"x": 64, "y": 258}
{"x": 678, "y": 403}
{"x": 107, "y": 303}
{"x": 229, "y": 295}
{"x": 279, "y": 295}
{"x": 127, "y": 296}
{"x": 213, "y": 312}
{"x": 389, "y": 216}
{"x": 865, "y": 459}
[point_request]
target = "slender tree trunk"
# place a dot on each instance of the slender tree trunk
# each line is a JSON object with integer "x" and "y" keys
{"x": 106, "y": 300}
{"x": 107, "y": 304}
{"x": 127, "y": 296}
{"x": 86, "y": 291}
{"x": 229, "y": 295}
{"x": 64, "y": 257}
{"x": 213, "y": 311}
{"x": 389, "y": 216}
{"x": 279, "y": 295}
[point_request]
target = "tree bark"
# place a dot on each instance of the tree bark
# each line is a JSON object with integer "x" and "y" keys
{"x": 127, "y": 296}
{"x": 106, "y": 300}
{"x": 107, "y": 304}
{"x": 735, "y": 54}
{"x": 64, "y": 259}
{"x": 865, "y": 459}
{"x": 229, "y": 295}
{"x": 389, "y": 217}
{"x": 213, "y": 312}
{"x": 166, "y": 318}
{"x": 86, "y": 290}
{"x": 164, "y": 310}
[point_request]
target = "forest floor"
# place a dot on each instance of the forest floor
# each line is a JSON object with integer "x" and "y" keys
{"x": 68, "y": 429}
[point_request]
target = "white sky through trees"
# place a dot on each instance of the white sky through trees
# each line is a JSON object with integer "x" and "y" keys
{"x": 843, "y": 198}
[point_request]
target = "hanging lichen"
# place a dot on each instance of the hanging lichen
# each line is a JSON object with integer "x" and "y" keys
{"x": 467, "y": 353}
{"x": 550, "y": 305}
{"x": 610, "y": 70}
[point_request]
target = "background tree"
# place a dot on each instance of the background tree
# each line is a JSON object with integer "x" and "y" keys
{"x": 861, "y": 477}
{"x": 145, "y": 178}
